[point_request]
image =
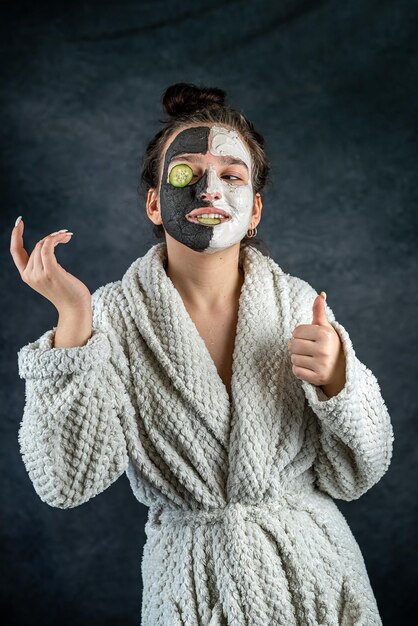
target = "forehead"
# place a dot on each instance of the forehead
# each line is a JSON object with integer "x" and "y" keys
{"x": 219, "y": 140}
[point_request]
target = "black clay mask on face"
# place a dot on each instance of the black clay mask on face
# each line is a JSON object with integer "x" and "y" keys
{"x": 234, "y": 200}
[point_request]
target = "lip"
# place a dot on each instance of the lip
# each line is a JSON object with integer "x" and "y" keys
{"x": 207, "y": 209}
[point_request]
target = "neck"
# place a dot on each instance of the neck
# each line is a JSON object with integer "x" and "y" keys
{"x": 206, "y": 282}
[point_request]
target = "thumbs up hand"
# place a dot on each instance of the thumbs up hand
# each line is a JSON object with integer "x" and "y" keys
{"x": 317, "y": 353}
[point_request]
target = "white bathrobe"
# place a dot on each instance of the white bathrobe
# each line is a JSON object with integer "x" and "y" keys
{"x": 242, "y": 529}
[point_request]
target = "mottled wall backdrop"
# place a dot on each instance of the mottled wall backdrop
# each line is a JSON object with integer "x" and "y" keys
{"x": 333, "y": 87}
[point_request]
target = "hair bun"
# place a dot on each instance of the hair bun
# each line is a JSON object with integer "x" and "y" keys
{"x": 183, "y": 98}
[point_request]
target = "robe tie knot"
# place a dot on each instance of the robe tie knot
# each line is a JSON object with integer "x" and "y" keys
{"x": 232, "y": 514}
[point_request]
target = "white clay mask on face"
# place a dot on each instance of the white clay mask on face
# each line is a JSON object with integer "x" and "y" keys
{"x": 236, "y": 199}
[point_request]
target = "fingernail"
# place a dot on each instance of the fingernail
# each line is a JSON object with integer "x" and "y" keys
{"x": 18, "y": 220}
{"x": 323, "y": 294}
{"x": 70, "y": 233}
{"x": 63, "y": 230}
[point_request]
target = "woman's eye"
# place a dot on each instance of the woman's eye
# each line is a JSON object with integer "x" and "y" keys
{"x": 233, "y": 176}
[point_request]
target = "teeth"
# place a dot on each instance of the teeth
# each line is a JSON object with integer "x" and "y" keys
{"x": 211, "y": 215}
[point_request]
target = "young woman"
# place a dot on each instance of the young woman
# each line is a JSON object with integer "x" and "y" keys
{"x": 224, "y": 388}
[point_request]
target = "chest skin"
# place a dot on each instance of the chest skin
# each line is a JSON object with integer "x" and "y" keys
{"x": 218, "y": 330}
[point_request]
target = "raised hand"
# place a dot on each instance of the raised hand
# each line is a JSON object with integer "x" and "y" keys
{"x": 44, "y": 274}
{"x": 317, "y": 353}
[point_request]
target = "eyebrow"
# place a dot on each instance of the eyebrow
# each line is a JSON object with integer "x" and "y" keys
{"x": 194, "y": 158}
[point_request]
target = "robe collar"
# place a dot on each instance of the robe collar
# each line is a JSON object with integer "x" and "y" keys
{"x": 260, "y": 352}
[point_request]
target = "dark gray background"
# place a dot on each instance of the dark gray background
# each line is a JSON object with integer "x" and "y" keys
{"x": 332, "y": 86}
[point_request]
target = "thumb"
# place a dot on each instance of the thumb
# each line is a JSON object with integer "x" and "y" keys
{"x": 319, "y": 315}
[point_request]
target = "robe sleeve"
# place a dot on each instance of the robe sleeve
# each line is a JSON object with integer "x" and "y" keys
{"x": 71, "y": 438}
{"x": 355, "y": 432}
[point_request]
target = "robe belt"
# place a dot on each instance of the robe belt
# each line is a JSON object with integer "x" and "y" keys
{"x": 231, "y": 513}
{"x": 248, "y": 562}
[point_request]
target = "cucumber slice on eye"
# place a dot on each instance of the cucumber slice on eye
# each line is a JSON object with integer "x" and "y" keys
{"x": 180, "y": 175}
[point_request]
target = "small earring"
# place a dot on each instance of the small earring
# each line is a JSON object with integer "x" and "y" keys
{"x": 251, "y": 232}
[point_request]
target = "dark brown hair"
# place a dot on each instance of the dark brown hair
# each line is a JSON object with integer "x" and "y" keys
{"x": 186, "y": 104}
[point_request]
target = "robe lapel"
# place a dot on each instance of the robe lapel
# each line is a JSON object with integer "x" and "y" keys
{"x": 169, "y": 331}
{"x": 249, "y": 426}
{"x": 260, "y": 370}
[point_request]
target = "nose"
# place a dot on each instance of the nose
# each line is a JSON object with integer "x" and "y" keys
{"x": 210, "y": 197}
{"x": 212, "y": 191}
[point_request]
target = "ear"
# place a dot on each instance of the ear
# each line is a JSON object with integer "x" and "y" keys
{"x": 153, "y": 210}
{"x": 257, "y": 207}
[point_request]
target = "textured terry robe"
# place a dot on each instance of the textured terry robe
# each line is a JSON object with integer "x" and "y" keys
{"x": 242, "y": 528}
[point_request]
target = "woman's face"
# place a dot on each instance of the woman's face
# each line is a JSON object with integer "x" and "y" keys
{"x": 222, "y": 180}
